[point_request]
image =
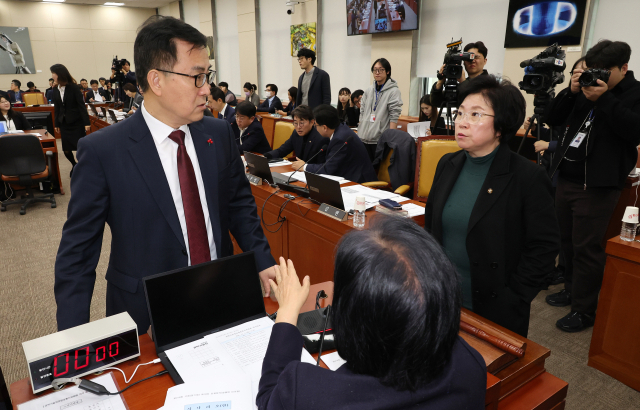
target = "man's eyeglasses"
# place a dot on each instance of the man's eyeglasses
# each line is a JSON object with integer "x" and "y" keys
{"x": 472, "y": 117}
{"x": 299, "y": 124}
{"x": 379, "y": 70}
{"x": 200, "y": 79}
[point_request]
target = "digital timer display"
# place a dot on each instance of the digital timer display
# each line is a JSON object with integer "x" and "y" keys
{"x": 84, "y": 359}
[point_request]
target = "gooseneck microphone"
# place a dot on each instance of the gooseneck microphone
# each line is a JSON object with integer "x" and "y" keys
{"x": 334, "y": 154}
{"x": 324, "y": 147}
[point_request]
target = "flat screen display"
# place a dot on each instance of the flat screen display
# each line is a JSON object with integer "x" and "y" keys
{"x": 188, "y": 303}
{"x": 381, "y": 16}
{"x": 535, "y": 23}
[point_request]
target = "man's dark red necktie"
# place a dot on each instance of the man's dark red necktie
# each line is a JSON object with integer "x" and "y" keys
{"x": 196, "y": 227}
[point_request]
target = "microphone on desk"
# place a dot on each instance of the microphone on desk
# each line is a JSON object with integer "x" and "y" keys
{"x": 324, "y": 147}
{"x": 324, "y": 331}
{"x": 334, "y": 154}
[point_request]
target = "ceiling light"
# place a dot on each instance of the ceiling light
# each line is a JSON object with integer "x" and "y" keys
{"x": 112, "y": 4}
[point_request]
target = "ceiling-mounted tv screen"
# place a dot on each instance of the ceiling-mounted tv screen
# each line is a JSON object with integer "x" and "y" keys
{"x": 381, "y": 16}
{"x": 536, "y": 23}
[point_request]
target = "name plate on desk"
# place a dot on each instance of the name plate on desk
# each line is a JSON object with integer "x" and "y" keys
{"x": 254, "y": 180}
{"x": 333, "y": 212}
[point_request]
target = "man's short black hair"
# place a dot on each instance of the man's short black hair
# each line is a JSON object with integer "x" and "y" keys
{"x": 385, "y": 64}
{"x": 155, "y": 45}
{"x": 509, "y": 106}
{"x": 356, "y": 94}
{"x": 608, "y": 54}
{"x": 274, "y": 88}
{"x": 396, "y": 302}
{"x": 94, "y": 82}
{"x": 51, "y": 79}
{"x": 17, "y": 83}
{"x": 83, "y": 79}
{"x": 30, "y": 84}
{"x": 126, "y": 61}
{"x": 102, "y": 79}
{"x": 303, "y": 112}
{"x": 327, "y": 115}
{"x": 246, "y": 108}
{"x": 479, "y": 45}
{"x": 307, "y": 53}
{"x": 223, "y": 84}
{"x": 217, "y": 94}
{"x": 129, "y": 87}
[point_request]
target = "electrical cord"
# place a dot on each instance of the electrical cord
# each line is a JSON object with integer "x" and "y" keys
{"x": 281, "y": 219}
{"x": 100, "y": 390}
{"x": 134, "y": 372}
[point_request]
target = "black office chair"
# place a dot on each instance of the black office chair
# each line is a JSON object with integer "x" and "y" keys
{"x": 5, "y": 401}
{"x": 22, "y": 162}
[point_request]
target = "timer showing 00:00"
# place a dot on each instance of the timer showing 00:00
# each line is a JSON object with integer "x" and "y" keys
{"x": 64, "y": 358}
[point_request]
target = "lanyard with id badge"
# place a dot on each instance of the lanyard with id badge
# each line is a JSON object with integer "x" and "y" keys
{"x": 582, "y": 135}
{"x": 373, "y": 114}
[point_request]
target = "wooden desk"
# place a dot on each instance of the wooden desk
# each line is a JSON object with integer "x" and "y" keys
{"x": 614, "y": 343}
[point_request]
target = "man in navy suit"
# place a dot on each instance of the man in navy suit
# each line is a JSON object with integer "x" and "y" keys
{"x": 272, "y": 103}
{"x": 314, "y": 85}
{"x": 216, "y": 102}
{"x": 14, "y": 93}
{"x": 346, "y": 156}
{"x": 96, "y": 94}
{"x": 248, "y": 131}
{"x": 163, "y": 214}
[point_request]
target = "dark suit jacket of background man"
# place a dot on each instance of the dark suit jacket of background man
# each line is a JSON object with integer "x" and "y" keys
{"x": 319, "y": 89}
{"x": 90, "y": 94}
{"x": 229, "y": 114}
{"x": 120, "y": 180}
{"x": 313, "y": 142}
{"x": 253, "y": 139}
{"x": 351, "y": 162}
{"x": 276, "y": 104}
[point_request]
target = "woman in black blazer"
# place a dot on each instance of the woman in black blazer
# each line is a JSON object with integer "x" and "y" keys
{"x": 293, "y": 93}
{"x": 396, "y": 315}
{"x": 492, "y": 210}
{"x": 13, "y": 120}
{"x": 72, "y": 120}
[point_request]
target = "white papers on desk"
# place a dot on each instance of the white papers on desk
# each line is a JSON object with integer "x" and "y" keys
{"x": 72, "y": 398}
{"x": 413, "y": 209}
{"x": 418, "y": 129}
{"x": 228, "y": 392}
{"x": 371, "y": 196}
{"x": 300, "y": 176}
{"x": 279, "y": 163}
{"x": 333, "y": 360}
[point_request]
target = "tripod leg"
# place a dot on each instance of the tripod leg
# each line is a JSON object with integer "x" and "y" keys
{"x": 526, "y": 133}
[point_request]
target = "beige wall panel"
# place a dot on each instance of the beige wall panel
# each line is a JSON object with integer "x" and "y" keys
{"x": 206, "y": 28}
{"x": 246, "y": 6}
{"x": 129, "y": 18}
{"x": 247, "y": 22}
{"x": 248, "y": 58}
{"x": 5, "y": 15}
{"x": 306, "y": 13}
{"x": 204, "y": 7}
{"x": 114, "y": 36}
{"x": 72, "y": 34}
{"x": 30, "y": 14}
{"x": 395, "y": 47}
{"x": 74, "y": 56}
{"x": 41, "y": 33}
{"x": 164, "y": 10}
{"x": 174, "y": 9}
{"x": 70, "y": 16}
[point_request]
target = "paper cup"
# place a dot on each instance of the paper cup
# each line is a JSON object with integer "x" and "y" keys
{"x": 361, "y": 206}
{"x": 631, "y": 215}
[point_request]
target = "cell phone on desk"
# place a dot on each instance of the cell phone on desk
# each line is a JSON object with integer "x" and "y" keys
{"x": 387, "y": 203}
{"x": 274, "y": 160}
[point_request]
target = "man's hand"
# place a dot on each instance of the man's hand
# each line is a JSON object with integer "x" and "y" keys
{"x": 575, "y": 83}
{"x": 297, "y": 164}
{"x": 541, "y": 146}
{"x": 265, "y": 276}
{"x": 87, "y": 128}
{"x": 440, "y": 83}
{"x": 91, "y": 100}
{"x": 290, "y": 294}
{"x": 526, "y": 125}
{"x": 594, "y": 92}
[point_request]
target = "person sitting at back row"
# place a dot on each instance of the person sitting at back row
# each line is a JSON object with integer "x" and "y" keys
{"x": 250, "y": 93}
{"x": 229, "y": 96}
{"x": 216, "y": 102}
{"x": 305, "y": 141}
{"x": 272, "y": 103}
{"x": 248, "y": 130}
{"x": 293, "y": 93}
{"x": 349, "y": 162}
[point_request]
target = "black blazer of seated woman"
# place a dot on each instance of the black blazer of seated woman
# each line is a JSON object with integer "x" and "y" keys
{"x": 16, "y": 119}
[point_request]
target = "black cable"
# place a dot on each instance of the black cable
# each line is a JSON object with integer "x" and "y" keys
{"x": 100, "y": 390}
{"x": 280, "y": 219}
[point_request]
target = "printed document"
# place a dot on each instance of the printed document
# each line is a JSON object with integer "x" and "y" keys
{"x": 228, "y": 392}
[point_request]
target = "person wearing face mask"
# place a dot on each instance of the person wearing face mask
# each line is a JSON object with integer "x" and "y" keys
{"x": 492, "y": 209}
{"x": 353, "y": 110}
{"x": 593, "y": 158}
{"x": 272, "y": 103}
{"x": 250, "y": 93}
{"x": 474, "y": 68}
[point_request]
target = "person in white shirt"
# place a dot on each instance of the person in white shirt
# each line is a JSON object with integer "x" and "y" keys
{"x": 95, "y": 94}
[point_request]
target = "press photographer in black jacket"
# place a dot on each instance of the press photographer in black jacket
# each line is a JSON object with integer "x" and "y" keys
{"x": 593, "y": 159}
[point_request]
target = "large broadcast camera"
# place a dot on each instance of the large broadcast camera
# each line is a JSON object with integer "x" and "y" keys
{"x": 453, "y": 59}
{"x": 116, "y": 65}
{"x": 541, "y": 74}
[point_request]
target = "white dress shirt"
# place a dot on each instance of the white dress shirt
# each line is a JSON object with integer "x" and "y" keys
{"x": 61, "y": 89}
{"x": 9, "y": 124}
{"x": 96, "y": 96}
{"x": 168, "y": 152}
{"x": 223, "y": 109}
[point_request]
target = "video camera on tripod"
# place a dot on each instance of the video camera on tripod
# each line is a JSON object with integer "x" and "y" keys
{"x": 541, "y": 74}
{"x": 118, "y": 75}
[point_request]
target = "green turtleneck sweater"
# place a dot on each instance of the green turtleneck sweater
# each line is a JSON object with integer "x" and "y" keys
{"x": 456, "y": 214}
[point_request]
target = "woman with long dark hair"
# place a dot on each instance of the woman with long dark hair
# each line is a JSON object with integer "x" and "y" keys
{"x": 250, "y": 93}
{"x": 429, "y": 112}
{"x": 293, "y": 93}
{"x": 72, "y": 120}
{"x": 344, "y": 101}
{"x": 13, "y": 120}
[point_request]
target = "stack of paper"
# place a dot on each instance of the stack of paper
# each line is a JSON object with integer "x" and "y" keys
{"x": 300, "y": 176}
{"x": 372, "y": 197}
{"x": 418, "y": 129}
{"x": 279, "y": 164}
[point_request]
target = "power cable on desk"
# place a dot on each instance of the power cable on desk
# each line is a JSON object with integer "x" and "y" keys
{"x": 100, "y": 390}
{"x": 134, "y": 372}
{"x": 280, "y": 219}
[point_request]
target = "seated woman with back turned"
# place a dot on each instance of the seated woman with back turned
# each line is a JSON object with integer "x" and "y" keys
{"x": 396, "y": 316}
{"x": 492, "y": 209}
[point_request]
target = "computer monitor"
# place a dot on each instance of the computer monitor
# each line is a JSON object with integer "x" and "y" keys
{"x": 258, "y": 166}
{"x": 324, "y": 190}
{"x": 40, "y": 119}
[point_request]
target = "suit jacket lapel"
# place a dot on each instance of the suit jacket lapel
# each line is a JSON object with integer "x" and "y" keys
{"x": 316, "y": 72}
{"x": 145, "y": 155}
{"x": 494, "y": 185}
{"x": 208, "y": 162}
{"x": 449, "y": 177}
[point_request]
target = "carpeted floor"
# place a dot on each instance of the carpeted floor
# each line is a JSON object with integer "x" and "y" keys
{"x": 28, "y": 245}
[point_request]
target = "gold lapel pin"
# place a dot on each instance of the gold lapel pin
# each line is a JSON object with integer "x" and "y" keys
{"x": 490, "y": 191}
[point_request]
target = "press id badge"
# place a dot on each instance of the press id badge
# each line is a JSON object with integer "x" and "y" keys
{"x": 373, "y": 117}
{"x": 578, "y": 140}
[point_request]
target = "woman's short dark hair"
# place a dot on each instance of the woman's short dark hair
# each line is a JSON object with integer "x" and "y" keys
{"x": 479, "y": 45}
{"x": 217, "y": 94}
{"x": 303, "y": 112}
{"x": 246, "y": 108}
{"x": 385, "y": 64}
{"x": 578, "y": 61}
{"x": 426, "y": 99}
{"x": 293, "y": 91}
{"x": 249, "y": 86}
{"x": 327, "y": 115}
{"x": 356, "y": 94}
{"x": 608, "y": 54}
{"x": 64, "y": 77}
{"x": 307, "y": 53}
{"x": 129, "y": 87}
{"x": 155, "y": 45}
{"x": 509, "y": 106}
{"x": 10, "y": 113}
{"x": 396, "y": 303}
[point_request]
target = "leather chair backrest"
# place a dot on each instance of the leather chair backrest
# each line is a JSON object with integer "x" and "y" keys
{"x": 21, "y": 154}
{"x": 33, "y": 98}
{"x": 429, "y": 153}
{"x": 281, "y": 134}
{"x": 383, "y": 170}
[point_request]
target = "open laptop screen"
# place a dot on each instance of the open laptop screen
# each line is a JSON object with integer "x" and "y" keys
{"x": 188, "y": 303}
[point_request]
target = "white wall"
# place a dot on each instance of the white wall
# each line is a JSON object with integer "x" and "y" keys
{"x": 191, "y": 12}
{"x": 228, "y": 57}
{"x": 473, "y": 20}
{"x": 274, "y": 47}
{"x": 617, "y": 20}
{"x": 346, "y": 58}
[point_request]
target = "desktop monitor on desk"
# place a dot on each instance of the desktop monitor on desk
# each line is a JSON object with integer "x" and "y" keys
{"x": 40, "y": 119}
{"x": 324, "y": 190}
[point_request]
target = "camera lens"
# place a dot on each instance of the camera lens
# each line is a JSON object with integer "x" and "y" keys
{"x": 586, "y": 79}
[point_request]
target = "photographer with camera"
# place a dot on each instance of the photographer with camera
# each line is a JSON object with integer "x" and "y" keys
{"x": 121, "y": 73}
{"x": 594, "y": 156}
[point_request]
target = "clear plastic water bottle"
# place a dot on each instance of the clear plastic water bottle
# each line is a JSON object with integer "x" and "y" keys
{"x": 628, "y": 232}
{"x": 359, "y": 214}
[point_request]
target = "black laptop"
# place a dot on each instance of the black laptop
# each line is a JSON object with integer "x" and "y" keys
{"x": 324, "y": 190}
{"x": 189, "y": 303}
{"x": 259, "y": 166}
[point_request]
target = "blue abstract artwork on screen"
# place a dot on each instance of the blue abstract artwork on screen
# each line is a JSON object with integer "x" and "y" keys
{"x": 545, "y": 18}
